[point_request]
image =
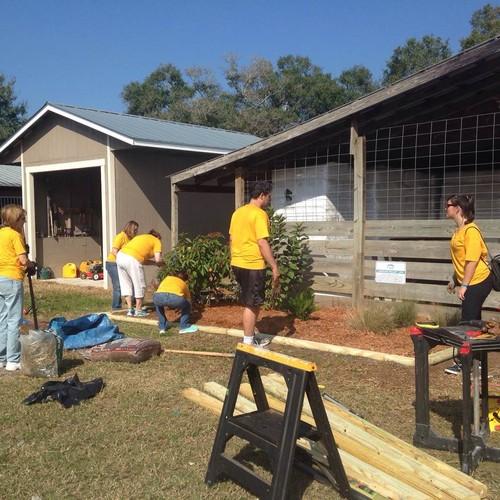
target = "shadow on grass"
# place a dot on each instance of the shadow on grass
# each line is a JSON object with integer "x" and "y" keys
{"x": 258, "y": 461}
{"x": 69, "y": 364}
{"x": 450, "y": 410}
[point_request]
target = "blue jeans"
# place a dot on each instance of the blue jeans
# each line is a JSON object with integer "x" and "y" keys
{"x": 162, "y": 300}
{"x": 11, "y": 314}
{"x": 117, "y": 293}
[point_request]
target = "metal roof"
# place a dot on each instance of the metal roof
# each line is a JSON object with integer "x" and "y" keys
{"x": 145, "y": 132}
{"x": 10, "y": 176}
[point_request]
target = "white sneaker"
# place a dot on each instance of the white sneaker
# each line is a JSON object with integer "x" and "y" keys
{"x": 262, "y": 342}
{"x": 131, "y": 312}
{"x": 12, "y": 367}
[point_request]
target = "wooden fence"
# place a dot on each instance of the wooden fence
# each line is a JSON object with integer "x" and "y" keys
{"x": 423, "y": 245}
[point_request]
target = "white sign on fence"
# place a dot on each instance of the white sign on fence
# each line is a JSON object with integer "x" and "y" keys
{"x": 390, "y": 272}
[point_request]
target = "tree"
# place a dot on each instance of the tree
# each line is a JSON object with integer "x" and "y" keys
{"x": 161, "y": 90}
{"x": 12, "y": 115}
{"x": 356, "y": 82}
{"x": 485, "y": 24}
{"x": 415, "y": 55}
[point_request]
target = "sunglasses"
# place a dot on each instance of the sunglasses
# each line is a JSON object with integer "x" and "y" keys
{"x": 450, "y": 205}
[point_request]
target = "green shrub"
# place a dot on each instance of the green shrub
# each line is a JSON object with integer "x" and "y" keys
{"x": 293, "y": 256}
{"x": 404, "y": 313}
{"x": 205, "y": 258}
{"x": 301, "y": 305}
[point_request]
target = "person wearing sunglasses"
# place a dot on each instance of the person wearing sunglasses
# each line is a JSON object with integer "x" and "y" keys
{"x": 472, "y": 280}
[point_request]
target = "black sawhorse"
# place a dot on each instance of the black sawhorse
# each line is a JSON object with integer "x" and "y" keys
{"x": 271, "y": 431}
{"x": 473, "y": 444}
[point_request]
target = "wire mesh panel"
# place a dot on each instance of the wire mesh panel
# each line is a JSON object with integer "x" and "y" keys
{"x": 411, "y": 169}
{"x": 313, "y": 185}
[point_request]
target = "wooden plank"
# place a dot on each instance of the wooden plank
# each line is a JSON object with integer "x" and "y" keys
{"x": 378, "y": 453}
{"x": 414, "y": 270}
{"x": 410, "y": 228}
{"x": 174, "y": 215}
{"x": 358, "y": 150}
{"x": 239, "y": 188}
{"x": 403, "y": 446}
{"x": 356, "y": 470}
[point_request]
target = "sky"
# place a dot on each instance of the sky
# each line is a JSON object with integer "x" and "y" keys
{"x": 84, "y": 52}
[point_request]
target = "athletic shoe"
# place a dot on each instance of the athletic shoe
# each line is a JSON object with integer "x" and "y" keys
{"x": 140, "y": 314}
{"x": 163, "y": 333}
{"x": 189, "y": 329}
{"x": 455, "y": 369}
{"x": 131, "y": 312}
{"x": 12, "y": 367}
{"x": 263, "y": 343}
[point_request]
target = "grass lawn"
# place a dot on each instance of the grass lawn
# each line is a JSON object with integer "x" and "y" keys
{"x": 140, "y": 438}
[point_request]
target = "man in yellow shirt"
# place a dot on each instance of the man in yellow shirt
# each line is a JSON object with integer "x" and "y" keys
{"x": 250, "y": 251}
{"x": 174, "y": 293}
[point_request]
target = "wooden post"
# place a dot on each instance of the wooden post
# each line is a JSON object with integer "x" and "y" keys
{"x": 239, "y": 187}
{"x": 174, "y": 215}
{"x": 358, "y": 151}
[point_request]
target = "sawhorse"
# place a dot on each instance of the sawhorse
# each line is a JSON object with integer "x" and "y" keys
{"x": 271, "y": 431}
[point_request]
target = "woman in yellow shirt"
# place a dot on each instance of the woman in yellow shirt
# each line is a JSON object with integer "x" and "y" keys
{"x": 13, "y": 264}
{"x": 142, "y": 250}
{"x": 173, "y": 292}
{"x": 121, "y": 239}
{"x": 468, "y": 254}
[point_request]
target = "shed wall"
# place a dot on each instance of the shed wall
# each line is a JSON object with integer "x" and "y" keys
{"x": 56, "y": 139}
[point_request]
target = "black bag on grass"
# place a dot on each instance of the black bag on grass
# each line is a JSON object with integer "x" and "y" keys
{"x": 68, "y": 392}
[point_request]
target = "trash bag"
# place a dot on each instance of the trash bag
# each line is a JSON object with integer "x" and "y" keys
{"x": 41, "y": 354}
{"x": 69, "y": 392}
{"x": 85, "y": 331}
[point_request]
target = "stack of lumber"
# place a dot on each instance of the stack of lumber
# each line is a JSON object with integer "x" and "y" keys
{"x": 388, "y": 466}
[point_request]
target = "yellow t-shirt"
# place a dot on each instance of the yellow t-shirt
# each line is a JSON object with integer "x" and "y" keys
{"x": 173, "y": 284}
{"x": 248, "y": 225}
{"x": 467, "y": 244}
{"x": 142, "y": 247}
{"x": 120, "y": 240}
{"x": 11, "y": 246}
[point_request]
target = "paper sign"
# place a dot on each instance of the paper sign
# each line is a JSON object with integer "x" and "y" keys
{"x": 390, "y": 272}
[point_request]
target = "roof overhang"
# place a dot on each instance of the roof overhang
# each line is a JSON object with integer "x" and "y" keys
{"x": 370, "y": 103}
{"x": 49, "y": 108}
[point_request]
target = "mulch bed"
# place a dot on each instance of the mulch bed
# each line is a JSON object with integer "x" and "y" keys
{"x": 330, "y": 325}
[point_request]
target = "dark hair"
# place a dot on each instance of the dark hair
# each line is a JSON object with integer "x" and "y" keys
{"x": 183, "y": 275}
{"x": 260, "y": 187}
{"x": 466, "y": 203}
{"x": 155, "y": 233}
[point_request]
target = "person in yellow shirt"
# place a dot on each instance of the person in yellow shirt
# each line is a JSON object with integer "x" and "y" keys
{"x": 250, "y": 251}
{"x": 121, "y": 239}
{"x": 143, "y": 249}
{"x": 13, "y": 265}
{"x": 173, "y": 292}
{"x": 471, "y": 275}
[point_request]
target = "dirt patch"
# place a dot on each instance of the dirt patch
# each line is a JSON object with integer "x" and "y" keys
{"x": 330, "y": 325}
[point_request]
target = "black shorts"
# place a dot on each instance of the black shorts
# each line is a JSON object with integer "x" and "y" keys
{"x": 252, "y": 284}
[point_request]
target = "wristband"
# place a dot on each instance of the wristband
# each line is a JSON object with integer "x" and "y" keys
{"x": 465, "y": 286}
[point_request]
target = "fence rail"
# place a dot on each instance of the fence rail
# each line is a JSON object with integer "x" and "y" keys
{"x": 422, "y": 244}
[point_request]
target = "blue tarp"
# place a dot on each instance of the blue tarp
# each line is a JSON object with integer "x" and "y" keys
{"x": 86, "y": 331}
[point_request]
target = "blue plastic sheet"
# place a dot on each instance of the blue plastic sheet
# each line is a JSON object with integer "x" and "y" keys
{"x": 86, "y": 331}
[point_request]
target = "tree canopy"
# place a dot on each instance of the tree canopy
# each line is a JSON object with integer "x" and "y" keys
{"x": 12, "y": 115}
{"x": 485, "y": 24}
{"x": 415, "y": 55}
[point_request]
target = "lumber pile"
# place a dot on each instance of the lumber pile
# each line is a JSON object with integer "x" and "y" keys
{"x": 388, "y": 466}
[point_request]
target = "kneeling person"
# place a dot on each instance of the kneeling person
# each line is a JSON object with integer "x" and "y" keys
{"x": 173, "y": 292}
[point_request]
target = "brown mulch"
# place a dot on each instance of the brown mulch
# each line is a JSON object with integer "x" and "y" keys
{"x": 330, "y": 325}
